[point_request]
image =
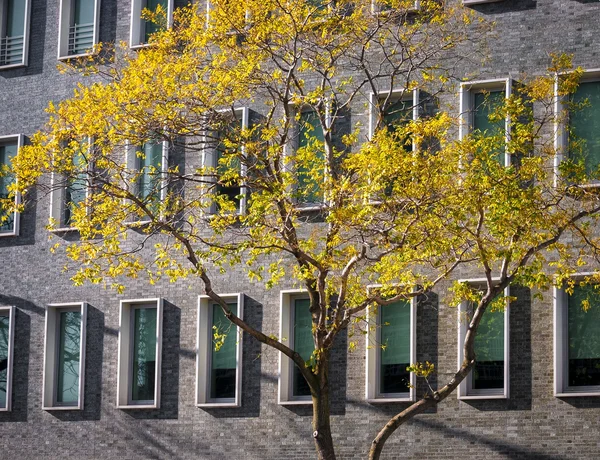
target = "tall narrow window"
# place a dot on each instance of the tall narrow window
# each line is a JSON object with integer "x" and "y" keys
{"x": 7, "y": 325}
{"x": 310, "y": 155}
{"x": 64, "y": 356}
{"x": 391, "y": 349}
{"x": 142, "y": 29}
{"x": 9, "y": 221}
{"x": 14, "y": 32}
{"x": 489, "y": 376}
{"x": 303, "y": 344}
{"x": 479, "y": 104}
{"x": 140, "y": 347}
{"x": 219, "y": 353}
{"x": 78, "y": 27}
{"x": 584, "y": 123}
{"x": 149, "y": 165}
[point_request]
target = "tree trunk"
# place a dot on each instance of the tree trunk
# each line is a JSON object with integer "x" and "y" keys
{"x": 321, "y": 412}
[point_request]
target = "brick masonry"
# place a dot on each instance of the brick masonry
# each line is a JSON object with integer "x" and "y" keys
{"x": 532, "y": 424}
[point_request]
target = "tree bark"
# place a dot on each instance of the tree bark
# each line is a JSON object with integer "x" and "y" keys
{"x": 321, "y": 412}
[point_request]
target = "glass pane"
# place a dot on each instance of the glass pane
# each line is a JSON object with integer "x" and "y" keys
{"x": 76, "y": 188}
{"x": 584, "y": 337}
{"x": 309, "y": 130}
{"x": 151, "y": 27}
{"x": 150, "y": 168}
{"x": 144, "y": 354}
{"x": 223, "y": 361}
{"x": 394, "y": 353}
{"x": 231, "y": 189}
{"x": 485, "y": 104}
{"x": 4, "y": 343}
{"x": 7, "y": 152}
{"x": 398, "y": 113}
{"x": 303, "y": 343}
{"x": 69, "y": 339}
{"x": 84, "y": 12}
{"x": 488, "y": 372}
{"x": 585, "y": 123}
{"x": 15, "y": 18}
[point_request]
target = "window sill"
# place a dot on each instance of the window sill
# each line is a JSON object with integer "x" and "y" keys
{"x": 296, "y": 402}
{"x": 482, "y": 397}
{"x": 5, "y": 234}
{"x": 12, "y": 66}
{"x": 575, "y": 394}
{"x": 75, "y": 56}
{"x": 138, "y": 406}
{"x": 60, "y": 408}
{"x": 63, "y": 230}
{"x": 218, "y": 405}
{"x": 477, "y": 2}
{"x": 385, "y": 400}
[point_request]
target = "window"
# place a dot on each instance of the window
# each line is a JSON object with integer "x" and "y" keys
{"x": 140, "y": 349}
{"x": 577, "y": 135}
{"x": 392, "y": 109}
{"x": 296, "y": 332}
{"x": 7, "y": 338}
{"x": 219, "y": 371}
{"x": 141, "y": 29}
{"x": 577, "y": 339}
{"x": 14, "y": 32}
{"x": 78, "y": 27}
{"x": 489, "y": 378}
{"x": 215, "y": 156}
{"x": 9, "y": 146}
{"x": 69, "y": 194}
{"x": 391, "y": 348}
{"x": 478, "y": 101}
{"x": 64, "y": 356}
{"x": 147, "y": 165}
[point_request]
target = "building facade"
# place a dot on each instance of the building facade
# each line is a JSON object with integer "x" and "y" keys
{"x": 526, "y": 410}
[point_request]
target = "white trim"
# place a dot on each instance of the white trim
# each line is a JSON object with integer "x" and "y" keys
{"x": 136, "y": 23}
{"x": 10, "y": 311}
{"x": 64, "y": 24}
{"x": 561, "y": 122}
{"x": 203, "y": 353}
{"x": 50, "y": 354}
{"x": 286, "y": 365}
{"x": 463, "y": 391}
{"x": 478, "y": 2}
{"x": 209, "y": 155}
{"x": 124, "y": 364}
{"x": 561, "y": 343}
{"x": 4, "y": 140}
{"x": 395, "y": 95}
{"x": 373, "y": 349}
{"x": 466, "y": 94}
{"x": 26, "y": 31}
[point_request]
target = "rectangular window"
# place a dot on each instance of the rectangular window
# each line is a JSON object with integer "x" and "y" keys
{"x": 9, "y": 146}
{"x": 218, "y": 145}
{"x": 310, "y": 157}
{"x": 479, "y": 101}
{"x": 78, "y": 28}
{"x": 584, "y": 125}
{"x": 7, "y": 333}
{"x": 141, "y": 29}
{"x": 577, "y": 340}
{"x": 14, "y": 32}
{"x": 140, "y": 348}
{"x": 489, "y": 378}
{"x": 219, "y": 353}
{"x": 296, "y": 332}
{"x": 64, "y": 356}
{"x": 391, "y": 349}
{"x": 69, "y": 194}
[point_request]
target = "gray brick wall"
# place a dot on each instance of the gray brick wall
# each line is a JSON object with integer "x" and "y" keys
{"x": 532, "y": 424}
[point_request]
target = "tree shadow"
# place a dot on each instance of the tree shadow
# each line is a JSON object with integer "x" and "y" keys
{"x": 504, "y": 6}
{"x": 92, "y": 395}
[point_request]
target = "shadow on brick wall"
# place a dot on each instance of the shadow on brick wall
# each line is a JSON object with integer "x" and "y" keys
{"x": 505, "y": 6}
{"x": 27, "y": 225}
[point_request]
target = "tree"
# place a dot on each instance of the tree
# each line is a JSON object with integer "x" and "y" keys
{"x": 299, "y": 193}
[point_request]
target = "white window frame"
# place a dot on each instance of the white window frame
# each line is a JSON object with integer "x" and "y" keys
{"x": 466, "y": 99}
{"x": 64, "y": 24}
{"x": 19, "y": 138}
{"x": 133, "y": 166}
{"x": 135, "y": 31}
{"x": 57, "y": 198}
{"x": 26, "y": 28}
{"x": 561, "y": 343}
{"x": 395, "y": 95}
{"x": 49, "y": 382}
{"x": 286, "y": 365}
{"x": 124, "y": 364}
{"x": 464, "y": 391}
{"x": 204, "y": 340}
{"x": 561, "y": 123}
{"x": 11, "y": 347}
{"x": 478, "y": 2}
{"x": 209, "y": 156}
{"x": 373, "y": 349}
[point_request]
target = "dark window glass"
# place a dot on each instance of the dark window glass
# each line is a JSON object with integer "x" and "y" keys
{"x": 223, "y": 361}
